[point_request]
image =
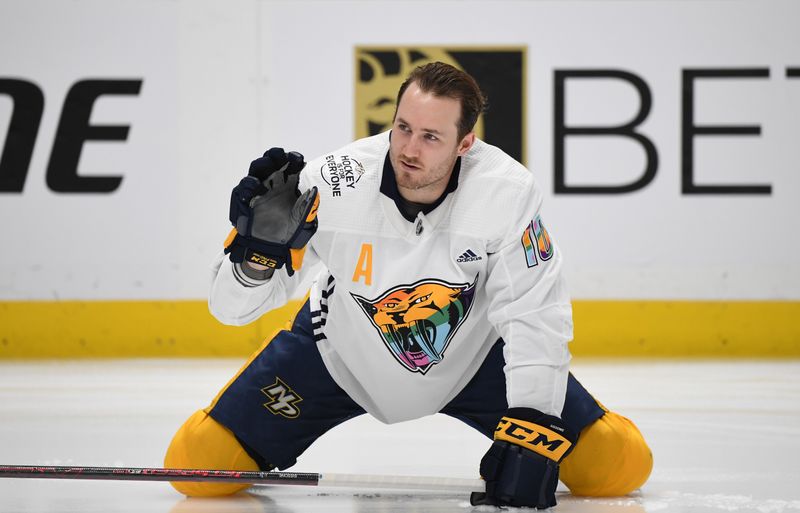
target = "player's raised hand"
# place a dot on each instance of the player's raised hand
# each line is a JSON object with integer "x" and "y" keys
{"x": 272, "y": 221}
{"x": 521, "y": 466}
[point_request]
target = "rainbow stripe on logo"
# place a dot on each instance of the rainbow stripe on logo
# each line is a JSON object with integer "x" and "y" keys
{"x": 542, "y": 239}
{"x": 527, "y": 245}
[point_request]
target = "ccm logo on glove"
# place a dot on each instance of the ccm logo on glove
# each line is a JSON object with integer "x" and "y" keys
{"x": 521, "y": 466}
{"x": 539, "y": 439}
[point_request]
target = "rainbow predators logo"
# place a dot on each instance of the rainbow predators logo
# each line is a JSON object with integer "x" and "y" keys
{"x": 417, "y": 321}
{"x": 536, "y": 232}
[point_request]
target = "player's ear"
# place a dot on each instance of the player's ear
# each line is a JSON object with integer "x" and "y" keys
{"x": 466, "y": 143}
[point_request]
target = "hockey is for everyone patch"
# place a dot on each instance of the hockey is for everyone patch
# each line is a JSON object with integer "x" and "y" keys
{"x": 417, "y": 322}
{"x": 341, "y": 172}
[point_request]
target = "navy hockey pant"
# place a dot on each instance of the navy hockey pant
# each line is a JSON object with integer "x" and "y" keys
{"x": 285, "y": 399}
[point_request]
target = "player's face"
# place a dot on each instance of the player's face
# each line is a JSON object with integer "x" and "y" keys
{"x": 425, "y": 144}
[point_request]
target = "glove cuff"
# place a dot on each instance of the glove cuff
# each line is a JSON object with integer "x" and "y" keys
{"x": 257, "y": 276}
{"x": 546, "y": 435}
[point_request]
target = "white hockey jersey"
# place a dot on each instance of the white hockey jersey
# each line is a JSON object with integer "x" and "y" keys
{"x": 404, "y": 312}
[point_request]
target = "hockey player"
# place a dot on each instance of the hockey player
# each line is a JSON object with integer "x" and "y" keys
{"x": 436, "y": 289}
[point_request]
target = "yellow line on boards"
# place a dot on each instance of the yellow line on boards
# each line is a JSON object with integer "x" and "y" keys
{"x": 650, "y": 329}
{"x": 713, "y": 329}
{"x": 118, "y": 329}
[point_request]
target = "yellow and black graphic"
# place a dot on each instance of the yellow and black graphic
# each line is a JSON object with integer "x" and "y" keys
{"x": 534, "y": 437}
{"x": 500, "y": 71}
{"x": 258, "y": 258}
{"x": 283, "y": 400}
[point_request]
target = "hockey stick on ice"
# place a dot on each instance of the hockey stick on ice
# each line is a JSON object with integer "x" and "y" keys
{"x": 441, "y": 484}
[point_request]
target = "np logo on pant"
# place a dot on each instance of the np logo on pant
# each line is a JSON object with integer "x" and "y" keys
{"x": 283, "y": 400}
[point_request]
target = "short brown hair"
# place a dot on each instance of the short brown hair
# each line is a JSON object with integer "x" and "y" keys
{"x": 441, "y": 79}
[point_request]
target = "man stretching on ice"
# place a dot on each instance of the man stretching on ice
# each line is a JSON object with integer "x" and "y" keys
{"x": 436, "y": 289}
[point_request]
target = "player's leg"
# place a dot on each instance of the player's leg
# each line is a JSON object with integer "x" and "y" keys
{"x": 202, "y": 442}
{"x": 278, "y": 403}
{"x": 610, "y": 458}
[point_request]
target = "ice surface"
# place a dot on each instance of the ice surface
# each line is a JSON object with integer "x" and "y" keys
{"x": 725, "y": 436}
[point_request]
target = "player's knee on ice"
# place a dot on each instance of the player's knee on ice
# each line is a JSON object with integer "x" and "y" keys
{"x": 203, "y": 443}
{"x": 610, "y": 459}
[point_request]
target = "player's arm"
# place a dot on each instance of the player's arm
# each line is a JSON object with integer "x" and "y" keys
{"x": 530, "y": 309}
{"x": 273, "y": 222}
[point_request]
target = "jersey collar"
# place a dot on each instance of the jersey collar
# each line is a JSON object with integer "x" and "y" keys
{"x": 389, "y": 188}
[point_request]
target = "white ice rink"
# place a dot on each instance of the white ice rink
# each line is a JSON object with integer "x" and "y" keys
{"x": 725, "y": 437}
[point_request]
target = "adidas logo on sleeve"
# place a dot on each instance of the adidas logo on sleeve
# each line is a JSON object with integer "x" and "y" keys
{"x": 468, "y": 256}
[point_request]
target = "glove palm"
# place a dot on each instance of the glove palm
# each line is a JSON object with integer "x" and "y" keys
{"x": 272, "y": 221}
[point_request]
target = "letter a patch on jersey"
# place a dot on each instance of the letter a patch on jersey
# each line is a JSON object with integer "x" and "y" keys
{"x": 536, "y": 241}
{"x": 364, "y": 265}
{"x": 283, "y": 400}
{"x": 417, "y": 322}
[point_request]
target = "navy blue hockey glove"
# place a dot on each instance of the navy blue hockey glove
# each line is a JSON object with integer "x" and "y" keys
{"x": 521, "y": 466}
{"x": 272, "y": 222}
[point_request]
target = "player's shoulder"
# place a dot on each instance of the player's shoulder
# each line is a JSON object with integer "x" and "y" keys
{"x": 489, "y": 176}
{"x": 494, "y": 190}
{"x": 485, "y": 163}
{"x": 358, "y": 162}
{"x": 369, "y": 150}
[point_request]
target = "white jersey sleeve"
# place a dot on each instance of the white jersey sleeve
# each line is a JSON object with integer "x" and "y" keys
{"x": 235, "y": 302}
{"x": 529, "y": 307}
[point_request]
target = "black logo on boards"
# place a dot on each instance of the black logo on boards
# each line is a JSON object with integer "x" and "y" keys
{"x": 500, "y": 72}
{"x": 74, "y": 130}
{"x": 341, "y": 172}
